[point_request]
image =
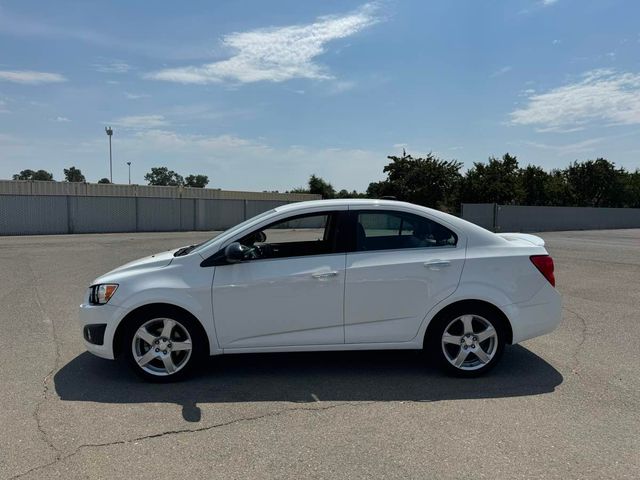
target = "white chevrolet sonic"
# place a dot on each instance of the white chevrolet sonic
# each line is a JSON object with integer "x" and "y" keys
{"x": 328, "y": 275}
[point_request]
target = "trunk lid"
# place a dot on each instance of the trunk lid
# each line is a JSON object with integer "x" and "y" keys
{"x": 515, "y": 237}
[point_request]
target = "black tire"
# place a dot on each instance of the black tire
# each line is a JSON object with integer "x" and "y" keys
{"x": 446, "y": 353}
{"x": 154, "y": 320}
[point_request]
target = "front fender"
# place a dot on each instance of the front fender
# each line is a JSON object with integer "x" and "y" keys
{"x": 186, "y": 286}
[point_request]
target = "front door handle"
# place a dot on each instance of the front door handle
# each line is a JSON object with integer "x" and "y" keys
{"x": 324, "y": 274}
{"x": 437, "y": 264}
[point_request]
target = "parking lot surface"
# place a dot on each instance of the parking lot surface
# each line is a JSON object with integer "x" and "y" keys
{"x": 565, "y": 405}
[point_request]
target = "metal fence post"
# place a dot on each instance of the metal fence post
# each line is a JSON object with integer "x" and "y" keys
{"x": 69, "y": 221}
{"x": 137, "y": 208}
{"x": 195, "y": 214}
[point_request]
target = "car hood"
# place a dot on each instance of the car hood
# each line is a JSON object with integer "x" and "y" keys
{"x": 157, "y": 260}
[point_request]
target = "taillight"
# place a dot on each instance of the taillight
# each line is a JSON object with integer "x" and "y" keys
{"x": 544, "y": 263}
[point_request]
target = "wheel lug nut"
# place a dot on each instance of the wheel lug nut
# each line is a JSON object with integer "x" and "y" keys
{"x": 157, "y": 342}
{"x": 475, "y": 339}
{"x": 164, "y": 351}
{"x": 157, "y": 350}
{"x": 465, "y": 347}
{"x": 169, "y": 345}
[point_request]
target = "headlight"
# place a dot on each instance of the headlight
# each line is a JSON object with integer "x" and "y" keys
{"x": 100, "y": 294}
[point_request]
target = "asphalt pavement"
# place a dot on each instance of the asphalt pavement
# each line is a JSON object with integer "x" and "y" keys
{"x": 565, "y": 405}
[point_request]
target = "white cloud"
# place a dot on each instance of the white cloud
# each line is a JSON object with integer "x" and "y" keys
{"x": 136, "y": 96}
{"x": 139, "y": 122}
{"x": 603, "y": 96}
{"x": 274, "y": 54}
{"x": 227, "y": 159}
{"x": 549, "y": 2}
{"x": 172, "y": 140}
{"x": 501, "y": 71}
{"x": 341, "y": 86}
{"x": 30, "y": 77}
{"x": 568, "y": 149}
{"x": 62, "y": 119}
{"x": 112, "y": 67}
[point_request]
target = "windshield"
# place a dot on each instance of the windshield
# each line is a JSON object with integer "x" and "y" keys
{"x": 232, "y": 230}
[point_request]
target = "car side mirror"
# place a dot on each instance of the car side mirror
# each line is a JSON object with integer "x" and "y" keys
{"x": 234, "y": 252}
{"x": 261, "y": 237}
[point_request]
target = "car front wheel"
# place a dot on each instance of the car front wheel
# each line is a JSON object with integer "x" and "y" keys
{"x": 162, "y": 348}
{"x": 468, "y": 343}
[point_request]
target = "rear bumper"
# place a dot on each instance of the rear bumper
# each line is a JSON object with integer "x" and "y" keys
{"x": 537, "y": 316}
{"x": 108, "y": 315}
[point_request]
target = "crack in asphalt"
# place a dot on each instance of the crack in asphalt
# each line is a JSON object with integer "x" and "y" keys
{"x": 277, "y": 413}
{"x": 47, "y": 377}
{"x": 583, "y": 332}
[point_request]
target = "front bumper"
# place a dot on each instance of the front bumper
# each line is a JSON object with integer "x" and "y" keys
{"x": 537, "y": 316}
{"x": 108, "y": 315}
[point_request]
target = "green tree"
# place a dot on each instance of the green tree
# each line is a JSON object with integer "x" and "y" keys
{"x": 596, "y": 183}
{"x": 344, "y": 193}
{"x": 104, "y": 180}
{"x": 632, "y": 189}
{"x": 196, "y": 181}
{"x": 534, "y": 182}
{"x": 73, "y": 174}
{"x": 428, "y": 181}
{"x": 494, "y": 182}
{"x": 42, "y": 175}
{"x": 380, "y": 189}
{"x": 164, "y": 177}
{"x": 557, "y": 189}
{"x": 318, "y": 186}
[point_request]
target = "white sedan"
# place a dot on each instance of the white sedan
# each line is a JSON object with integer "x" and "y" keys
{"x": 328, "y": 275}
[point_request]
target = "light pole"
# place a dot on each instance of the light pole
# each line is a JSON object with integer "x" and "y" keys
{"x": 109, "y": 131}
{"x": 129, "y": 163}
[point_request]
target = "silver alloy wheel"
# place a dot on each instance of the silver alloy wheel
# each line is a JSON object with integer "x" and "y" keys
{"x": 161, "y": 346}
{"x": 469, "y": 342}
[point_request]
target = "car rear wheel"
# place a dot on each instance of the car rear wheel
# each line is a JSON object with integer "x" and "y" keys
{"x": 468, "y": 343}
{"x": 162, "y": 348}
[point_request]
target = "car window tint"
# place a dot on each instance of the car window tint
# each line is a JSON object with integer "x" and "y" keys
{"x": 291, "y": 237}
{"x": 399, "y": 230}
{"x": 377, "y": 225}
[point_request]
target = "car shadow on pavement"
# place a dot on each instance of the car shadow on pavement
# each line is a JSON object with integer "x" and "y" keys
{"x": 306, "y": 377}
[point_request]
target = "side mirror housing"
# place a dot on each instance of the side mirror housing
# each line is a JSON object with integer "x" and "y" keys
{"x": 234, "y": 252}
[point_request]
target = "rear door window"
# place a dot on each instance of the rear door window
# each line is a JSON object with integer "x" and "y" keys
{"x": 389, "y": 230}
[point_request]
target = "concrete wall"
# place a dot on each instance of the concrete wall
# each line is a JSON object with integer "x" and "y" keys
{"x": 517, "y": 218}
{"x": 20, "y": 215}
{"x": 52, "y": 214}
{"x": 482, "y": 214}
{"x": 24, "y": 187}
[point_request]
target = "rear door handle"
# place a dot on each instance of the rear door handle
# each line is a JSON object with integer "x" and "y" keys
{"x": 437, "y": 264}
{"x": 324, "y": 274}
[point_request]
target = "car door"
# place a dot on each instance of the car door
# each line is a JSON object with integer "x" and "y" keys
{"x": 290, "y": 293}
{"x": 402, "y": 265}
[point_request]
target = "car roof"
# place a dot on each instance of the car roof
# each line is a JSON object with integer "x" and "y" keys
{"x": 340, "y": 202}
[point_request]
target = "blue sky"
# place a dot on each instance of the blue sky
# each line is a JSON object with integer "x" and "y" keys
{"x": 258, "y": 95}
